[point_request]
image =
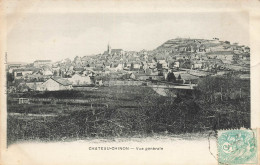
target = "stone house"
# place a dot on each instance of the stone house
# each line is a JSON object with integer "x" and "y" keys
{"x": 55, "y": 84}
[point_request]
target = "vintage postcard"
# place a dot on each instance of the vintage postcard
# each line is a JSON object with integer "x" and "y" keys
{"x": 130, "y": 82}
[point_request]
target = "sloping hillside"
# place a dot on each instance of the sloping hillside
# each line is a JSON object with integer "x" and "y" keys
{"x": 179, "y": 44}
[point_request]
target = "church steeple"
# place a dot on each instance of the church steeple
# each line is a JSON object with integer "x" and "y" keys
{"x": 108, "y": 49}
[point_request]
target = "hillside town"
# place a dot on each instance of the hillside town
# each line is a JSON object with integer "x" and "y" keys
{"x": 183, "y": 86}
{"x": 179, "y": 61}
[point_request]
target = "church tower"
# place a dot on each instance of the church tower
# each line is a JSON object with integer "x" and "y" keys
{"x": 108, "y": 49}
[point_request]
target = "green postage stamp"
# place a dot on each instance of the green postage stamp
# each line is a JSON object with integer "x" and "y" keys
{"x": 237, "y": 146}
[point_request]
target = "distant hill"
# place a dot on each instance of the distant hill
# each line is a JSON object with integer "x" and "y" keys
{"x": 180, "y": 44}
{"x": 168, "y": 50}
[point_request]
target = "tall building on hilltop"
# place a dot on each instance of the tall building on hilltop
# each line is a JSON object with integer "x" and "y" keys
{"x": 40, "y": 63}
{"x": 113, "y": 51}
{"x": 108, "y": 49}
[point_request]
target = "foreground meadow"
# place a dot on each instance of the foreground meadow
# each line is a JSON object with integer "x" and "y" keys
{"x": 129, "y": 111}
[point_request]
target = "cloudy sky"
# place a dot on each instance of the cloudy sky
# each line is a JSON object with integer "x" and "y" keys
{"x": 57, "y": 36}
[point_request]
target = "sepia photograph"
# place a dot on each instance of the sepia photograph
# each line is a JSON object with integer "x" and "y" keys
{"x": 110, "y": 78}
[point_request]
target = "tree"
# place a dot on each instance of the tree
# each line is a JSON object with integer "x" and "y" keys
{"x": 10, "y": 77}
{"x": 55, "y": 73}
{"x": 171, "y": 77}
{"x": 186, "y": 64}
{"x": 159, "y": 66}
{"x": 179, "y": 77}
{"x": 160, "y": 73}
{"x": 227, "y": 42}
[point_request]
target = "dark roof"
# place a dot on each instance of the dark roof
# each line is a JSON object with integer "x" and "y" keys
{"x": 135, "y": 62}
{"x": 23, "y": 69}
{"x": 116, "y": 50}
{"x": 78, "y": 69}
{"x": 114, "y": 65}
{"x": 220, "y": 53}
{"x": 26, "y": 69}
{"x": 98, "y": 69}
{"x": 214, "y": 61}
{"x": 202, "y": 46}
{"x": 62, "y": 81}
{"x": 19, "y": 74}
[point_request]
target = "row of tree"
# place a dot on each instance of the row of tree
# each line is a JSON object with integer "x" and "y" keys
{"x": 171, "y": 77}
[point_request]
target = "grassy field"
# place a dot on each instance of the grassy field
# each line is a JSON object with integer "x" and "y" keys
{"x": 131, "y": 111}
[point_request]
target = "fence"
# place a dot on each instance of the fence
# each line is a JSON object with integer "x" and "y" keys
{"x": 21, "y": 100}
{"x": 91, "y": 102}
{"x": 118, "y": 82}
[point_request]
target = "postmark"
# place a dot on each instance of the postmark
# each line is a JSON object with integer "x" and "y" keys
{"x": 237, "y": 146}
